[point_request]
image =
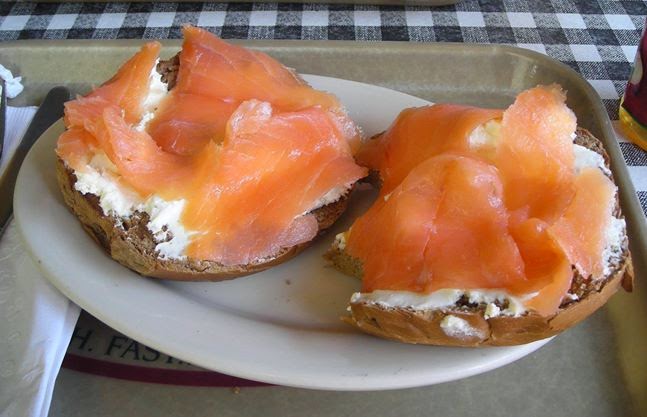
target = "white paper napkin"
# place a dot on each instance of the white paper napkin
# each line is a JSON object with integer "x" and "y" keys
{"x": 18, "y": 119}
{"x": 37, "y": 321}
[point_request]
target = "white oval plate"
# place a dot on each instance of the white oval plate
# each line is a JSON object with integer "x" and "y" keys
{"x": 279, "y": 326}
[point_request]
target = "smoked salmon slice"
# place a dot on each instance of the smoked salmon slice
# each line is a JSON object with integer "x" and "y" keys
{"x": 84, "y": 111}
{"x": 546, "y": 267}
{"x": 140, "y": 162}
{"x": 581, "y": 230}
{"x": 212, "y": 70}
{"x": 184, "y": 123}
{"x": 445, "y": 226}
{"x": 232, "y": 73}
{"x": 535, "y": 155}
{"x": 418, "y": 134}
{"x": 127, "y": 89}
{"x": 76, "y": 145}
{"x": 273, "y": 169}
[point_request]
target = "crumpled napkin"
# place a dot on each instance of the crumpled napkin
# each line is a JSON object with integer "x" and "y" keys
{"x": 37, "y": 320}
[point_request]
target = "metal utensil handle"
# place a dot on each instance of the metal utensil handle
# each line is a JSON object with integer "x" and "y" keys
{"x": 3, "y": 113}
{"x": 49, "y": 112}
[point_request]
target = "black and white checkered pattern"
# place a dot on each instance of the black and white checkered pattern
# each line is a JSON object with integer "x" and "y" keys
{"x": 598, "y": 38}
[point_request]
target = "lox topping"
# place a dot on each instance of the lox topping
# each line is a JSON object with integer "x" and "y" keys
{"x": 248, "y": 145}
{"x": 214, "y": 78}
{"x": 510, "y": 215}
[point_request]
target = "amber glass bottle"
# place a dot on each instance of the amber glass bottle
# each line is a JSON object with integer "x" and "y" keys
{"x": 633, "y": 107}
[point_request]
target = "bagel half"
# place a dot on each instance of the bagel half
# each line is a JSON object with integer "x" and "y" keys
{"x": 416, "y": 326}
{"x": 131, "y": 243}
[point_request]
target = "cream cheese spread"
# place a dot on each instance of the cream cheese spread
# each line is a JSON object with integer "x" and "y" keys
{"x": 166, "y": 227}
{"x": 485, "y": 135}
{"x": 586, "y": 158}
{"x": 331, "y": 196}
{"x": 444, "y": 298}
{"x": 340, "y": 241}
{"x": 157, "y": 90}
{"x": 615, "y": 235}
{"x": 100, "y": 178}
{"x": 459, "y": 328}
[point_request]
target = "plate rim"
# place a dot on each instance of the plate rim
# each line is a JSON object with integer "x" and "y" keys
{"x": 346, "y": 383}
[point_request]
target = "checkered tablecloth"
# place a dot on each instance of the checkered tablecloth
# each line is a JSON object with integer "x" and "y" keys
{"x": 597, "y": 38}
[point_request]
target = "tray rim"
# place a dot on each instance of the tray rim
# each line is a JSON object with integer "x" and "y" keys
{"x": 633, "y": 211}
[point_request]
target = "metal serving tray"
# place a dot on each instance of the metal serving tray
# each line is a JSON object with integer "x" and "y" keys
{"x": 598, "y": 368}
